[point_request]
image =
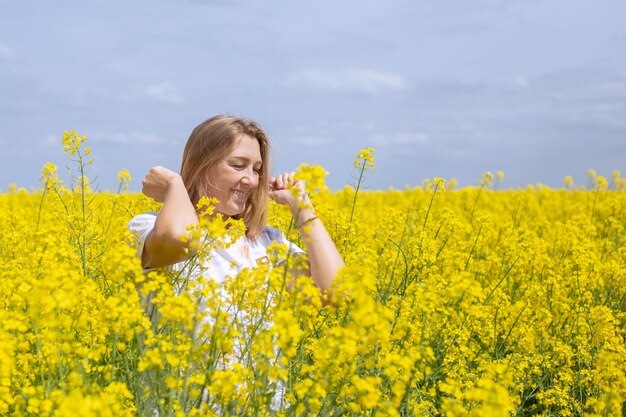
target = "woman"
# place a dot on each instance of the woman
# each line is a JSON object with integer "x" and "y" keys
{"x": 227, "y": 158}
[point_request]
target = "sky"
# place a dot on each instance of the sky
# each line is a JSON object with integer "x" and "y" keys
{"x": 440, "y": 88}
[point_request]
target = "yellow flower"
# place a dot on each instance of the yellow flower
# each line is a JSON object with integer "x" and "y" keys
{"x": 486, "y": 179}
{"x": 439, "y": 183}
{"x": 313, "y": 175}
{"x": 50, "y": 176}
{"x": 461, "y": 303}
{"x": 124, "y": 178}
{"x": 568, "y": 181}
{"x": 600, "y": 183}
{"x": 72, "y": 142}
{"x": 365, "y": 159}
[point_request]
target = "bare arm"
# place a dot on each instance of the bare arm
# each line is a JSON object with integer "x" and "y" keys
{"x": 163, "y": 245}
{"x": 324, "y": 258}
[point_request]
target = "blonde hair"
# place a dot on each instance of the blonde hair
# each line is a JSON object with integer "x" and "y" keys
{"x": 209, "y": 144}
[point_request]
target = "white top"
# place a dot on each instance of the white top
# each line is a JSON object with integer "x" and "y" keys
{"x": 222, "y": 263}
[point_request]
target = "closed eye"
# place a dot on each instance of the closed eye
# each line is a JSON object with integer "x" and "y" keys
{"x": 241, "y": 167}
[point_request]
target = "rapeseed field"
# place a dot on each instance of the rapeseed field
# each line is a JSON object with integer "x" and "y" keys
{"x": 468, "y": 302}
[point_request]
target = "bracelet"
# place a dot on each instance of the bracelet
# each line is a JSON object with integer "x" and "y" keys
{"x": 309, "y": 220}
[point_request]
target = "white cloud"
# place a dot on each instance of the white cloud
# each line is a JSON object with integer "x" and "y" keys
{"x": 353, "y": 80}
{"x": 164, "y": 92}
{"x": 126, "y": 137}
{"x": 402, "y": 139}
{"x": 6, "y": 52}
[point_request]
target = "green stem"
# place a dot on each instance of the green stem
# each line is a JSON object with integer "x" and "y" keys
{"x": 593, "y": 208}
{"x": 113, "y": 206}
{"x": 83, "y": 236}
{"x": 356, "y": 192}
{"x": 45, "y": 190}
{"x": 473, "y": 247}
{"x": 429, "y": 206}
{"x": 476, "y": 203}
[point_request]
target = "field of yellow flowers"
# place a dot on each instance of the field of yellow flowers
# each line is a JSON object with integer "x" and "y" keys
{"x": 469, "y": 302}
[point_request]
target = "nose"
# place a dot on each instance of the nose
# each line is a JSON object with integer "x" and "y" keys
{"x": 250, "y": 178}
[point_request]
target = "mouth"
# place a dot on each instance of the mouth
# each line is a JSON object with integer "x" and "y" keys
{"x": 243, "y": 195}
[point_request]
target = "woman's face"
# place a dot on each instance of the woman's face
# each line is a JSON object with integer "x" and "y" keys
{"x": 235, "y": 178}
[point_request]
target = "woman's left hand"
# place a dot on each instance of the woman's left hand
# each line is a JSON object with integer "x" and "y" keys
{"x": 282, "y": 189}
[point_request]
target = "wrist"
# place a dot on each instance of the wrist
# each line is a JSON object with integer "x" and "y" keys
{"x": 174, "y": 187}
{"x": 174, "y": 182}
{"x": 300, "y": 216}
{"x": 300, "y": 204}
{"x": 301, "y": 211}
{"x": 306, "y": 221}
{"x": 174, "y": 179}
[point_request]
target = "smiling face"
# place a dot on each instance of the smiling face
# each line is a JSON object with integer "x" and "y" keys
{"x": 228, "y": 158}
{"x": 235, "y": 178}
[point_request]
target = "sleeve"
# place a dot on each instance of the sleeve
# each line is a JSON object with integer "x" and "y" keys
{"x": 278, "y": 236}
{"x": 140, "y": 226}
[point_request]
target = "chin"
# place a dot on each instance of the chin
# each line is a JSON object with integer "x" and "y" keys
{"x": 234, "y": 211}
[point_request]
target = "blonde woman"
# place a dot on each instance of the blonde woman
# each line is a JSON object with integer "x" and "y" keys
{"x": 228, "y": 158}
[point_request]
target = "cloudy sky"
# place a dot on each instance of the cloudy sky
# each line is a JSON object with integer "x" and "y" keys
{"x": 448, "y": 88}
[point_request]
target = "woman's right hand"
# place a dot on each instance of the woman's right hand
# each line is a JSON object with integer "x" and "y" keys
{"x": 157, "y": 182}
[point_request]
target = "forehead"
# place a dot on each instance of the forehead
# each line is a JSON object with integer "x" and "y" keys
{"x": 247, "y": 147}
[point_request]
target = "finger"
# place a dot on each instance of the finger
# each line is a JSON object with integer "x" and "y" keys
{"x": 292, "y": 178}
{"x": 286, "y": 179}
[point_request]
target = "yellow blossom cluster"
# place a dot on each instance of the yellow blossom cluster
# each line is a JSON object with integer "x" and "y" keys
{"x": 469, "y": 302}
{"x": 313, "y": 176}
{"x": 72, "y": 141}
{"x": 364, "y": 159}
